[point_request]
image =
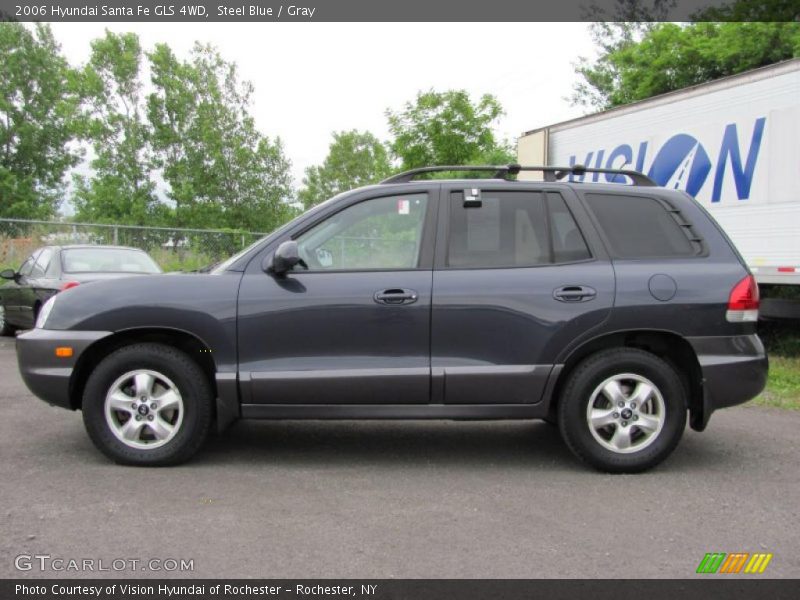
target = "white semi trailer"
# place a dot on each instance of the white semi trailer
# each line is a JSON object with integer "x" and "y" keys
{"x": 733, "y": 144}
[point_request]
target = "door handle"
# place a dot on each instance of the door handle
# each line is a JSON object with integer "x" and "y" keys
{"x": 395, "y": 296}
{"x": 574, "y": 293}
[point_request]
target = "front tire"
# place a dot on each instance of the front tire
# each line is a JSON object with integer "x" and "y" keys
{"x": 148, "y": 405}
{"x": 623, "y": 410}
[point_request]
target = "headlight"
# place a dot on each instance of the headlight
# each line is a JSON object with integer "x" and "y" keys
{"x": 44, "y": 312}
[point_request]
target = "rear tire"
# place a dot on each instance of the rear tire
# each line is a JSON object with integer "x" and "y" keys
{"x": 623, "y": 410}
{"x": 148, "y": 405}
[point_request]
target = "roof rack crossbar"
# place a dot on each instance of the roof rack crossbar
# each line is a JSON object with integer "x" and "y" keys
{"x": 551, "y": 174}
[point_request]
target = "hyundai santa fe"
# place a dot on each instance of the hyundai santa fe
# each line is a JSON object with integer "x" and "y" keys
{"x": 616, "y": 310}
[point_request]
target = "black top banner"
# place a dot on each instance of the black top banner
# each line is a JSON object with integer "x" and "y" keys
{"x": 400, "y": 10}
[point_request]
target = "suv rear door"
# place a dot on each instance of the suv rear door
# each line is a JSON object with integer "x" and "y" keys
{"x": 519, "y": 274}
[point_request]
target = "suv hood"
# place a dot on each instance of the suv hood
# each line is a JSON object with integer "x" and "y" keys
{"x": 165, "y": 300}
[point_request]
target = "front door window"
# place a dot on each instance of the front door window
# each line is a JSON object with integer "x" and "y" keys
{"x": 378, "y": 234}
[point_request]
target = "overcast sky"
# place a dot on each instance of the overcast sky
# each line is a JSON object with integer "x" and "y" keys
{"x": 314, "y": 78}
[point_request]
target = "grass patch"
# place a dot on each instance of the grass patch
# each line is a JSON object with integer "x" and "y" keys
{"x": 180, "y": 260}
{"x": 783, "y": 346}
{"x": 783, "y": 386}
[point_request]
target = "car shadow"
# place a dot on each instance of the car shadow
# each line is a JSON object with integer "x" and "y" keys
{"x": 468, "y": 445}
{"x": 528, "y": 445}
{"x": 400, "y": 443}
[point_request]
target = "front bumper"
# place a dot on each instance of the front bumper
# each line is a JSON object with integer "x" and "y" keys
{"x": 734, "y": 370}
{"x": 47, "y": 375}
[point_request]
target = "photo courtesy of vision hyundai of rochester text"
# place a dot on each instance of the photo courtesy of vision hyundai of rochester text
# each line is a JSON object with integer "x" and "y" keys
{"x": 616, "y": 311}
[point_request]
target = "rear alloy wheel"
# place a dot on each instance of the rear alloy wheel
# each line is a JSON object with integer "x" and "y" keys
{"x": 5, "y": 328}
{"x": 625, "y": 413}
{"x": 623, "y": 410}
{"x": 148, "y": 404}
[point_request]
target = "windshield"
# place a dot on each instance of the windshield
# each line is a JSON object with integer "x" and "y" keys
{"x": 107, "y": 260}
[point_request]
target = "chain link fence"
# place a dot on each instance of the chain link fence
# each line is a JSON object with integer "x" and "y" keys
{"x": 174, "y": 249}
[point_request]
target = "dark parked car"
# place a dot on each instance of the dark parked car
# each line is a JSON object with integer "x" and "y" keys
{"x": 611, "y": 309}
{"x": 52, "y": 269}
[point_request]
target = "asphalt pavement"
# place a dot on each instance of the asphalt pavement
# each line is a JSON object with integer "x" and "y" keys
{"x": 391, "y": 499}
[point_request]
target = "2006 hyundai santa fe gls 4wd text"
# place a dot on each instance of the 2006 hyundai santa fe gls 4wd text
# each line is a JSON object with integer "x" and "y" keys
{"x": 613, "y": 309}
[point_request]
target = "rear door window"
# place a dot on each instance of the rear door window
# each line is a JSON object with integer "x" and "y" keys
{"x": 568, "y": 242}
{"x": 107, "y": 260}
{"x": 509, "y": 229}
{"x": 513, "y": 229}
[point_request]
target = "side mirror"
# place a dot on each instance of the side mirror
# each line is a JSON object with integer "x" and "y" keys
{"x": 285, "y": 258}
{"x": 8, "y": 274}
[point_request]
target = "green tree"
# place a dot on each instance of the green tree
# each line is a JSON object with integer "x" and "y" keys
{"x": 38, "y": 104}
{"x": 638, "y": 61}
{"x": 354, "y": 159}
{"x": 120, "y": 189}
{"x": 221, "y": 171}
{"x": 447, "y": 128}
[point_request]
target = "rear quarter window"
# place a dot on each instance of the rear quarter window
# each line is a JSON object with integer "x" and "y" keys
{"x": 641, "y": 227}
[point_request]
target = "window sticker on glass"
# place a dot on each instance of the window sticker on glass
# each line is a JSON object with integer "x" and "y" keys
{"x": 403, "y": 207}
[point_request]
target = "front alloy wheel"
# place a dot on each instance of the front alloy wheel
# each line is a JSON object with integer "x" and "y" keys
{"x": 144, "y": 409}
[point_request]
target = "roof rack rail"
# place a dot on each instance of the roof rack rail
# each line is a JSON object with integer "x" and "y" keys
{"x": 551, "y": 174}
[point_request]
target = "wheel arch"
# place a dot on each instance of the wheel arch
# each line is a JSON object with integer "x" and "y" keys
{"x": 189, "y": 343}
{"x": 667, "y": 345}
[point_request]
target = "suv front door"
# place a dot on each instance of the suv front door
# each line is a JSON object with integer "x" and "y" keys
{"x": 354, "y": 327}
{"x": 516, "y": 281}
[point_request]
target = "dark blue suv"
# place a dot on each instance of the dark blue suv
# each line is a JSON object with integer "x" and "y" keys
{"x": 611, "y": 309}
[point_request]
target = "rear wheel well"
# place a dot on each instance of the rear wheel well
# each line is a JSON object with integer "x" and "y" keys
{"x": 175, "y": 338}
{"x": 668, "y": 346}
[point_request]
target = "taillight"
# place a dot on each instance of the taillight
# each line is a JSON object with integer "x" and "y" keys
{"x": 743, "y": 301}
{"x": 69, "y": 284}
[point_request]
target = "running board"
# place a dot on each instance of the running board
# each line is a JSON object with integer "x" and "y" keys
{"x": 395, "y": 411}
